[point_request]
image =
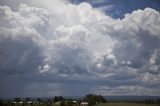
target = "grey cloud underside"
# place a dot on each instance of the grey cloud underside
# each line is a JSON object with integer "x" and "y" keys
{"x": 65, "y": 47}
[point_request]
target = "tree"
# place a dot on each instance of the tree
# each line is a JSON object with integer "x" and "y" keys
{"x": 55, "y": 99}
{"x": 93, "y": 99}
{"x": 100, "y": 98}
{"x": 27, "y": 99}
{"x": 58, "y": 98}
{"x": 39, "y": 100}
{"x": 62, "y": 103}
{"x": 49, "y": 101}
{"x": 1, "y": 102}
{"x": 17, "y": 99}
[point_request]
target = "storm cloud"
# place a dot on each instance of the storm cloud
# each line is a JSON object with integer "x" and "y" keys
{"x": 55, "y": 47}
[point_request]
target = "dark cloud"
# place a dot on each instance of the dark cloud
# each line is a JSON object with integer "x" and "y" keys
{"x": 87, "y": 52}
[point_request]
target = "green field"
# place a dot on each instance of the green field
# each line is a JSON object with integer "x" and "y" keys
{"x": 126, "y": 104}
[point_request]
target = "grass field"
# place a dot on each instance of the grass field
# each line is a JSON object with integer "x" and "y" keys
{"x": 126, "y": 104}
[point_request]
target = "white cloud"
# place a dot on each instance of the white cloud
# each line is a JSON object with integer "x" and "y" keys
{"x": 106, "y": 8}
{"x": 146, "y": 20}
{"x": 59, "y": 41}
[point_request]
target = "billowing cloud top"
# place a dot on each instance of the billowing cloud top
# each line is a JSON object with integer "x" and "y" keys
{"x": 54, "y": 47}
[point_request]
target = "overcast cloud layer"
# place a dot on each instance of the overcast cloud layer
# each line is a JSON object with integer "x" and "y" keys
{"x": 53, "y": 47}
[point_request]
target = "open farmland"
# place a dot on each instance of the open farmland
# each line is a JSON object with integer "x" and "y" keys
{"x": 126, "y": 104}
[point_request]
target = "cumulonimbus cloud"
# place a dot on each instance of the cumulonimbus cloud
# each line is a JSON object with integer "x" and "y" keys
{"x": 78, "y": 42}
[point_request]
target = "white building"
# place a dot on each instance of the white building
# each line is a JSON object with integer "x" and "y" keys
{"x": 29, "y": 102}
{"x": 74, "y": 101}
{"x": 20, "y": 102}
{"x": 84, "y": 104}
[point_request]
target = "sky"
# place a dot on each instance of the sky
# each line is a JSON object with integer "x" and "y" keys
{"x": 78, "y": 47}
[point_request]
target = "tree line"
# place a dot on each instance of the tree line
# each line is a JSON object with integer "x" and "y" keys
{"x": 91, "y": 99}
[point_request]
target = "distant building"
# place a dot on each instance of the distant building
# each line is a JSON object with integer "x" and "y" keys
{"x": 84, "y": 104}
{"x": 29, "y": 102}
{"x": 20, "y": 102}
{"x": 74, "y": 101}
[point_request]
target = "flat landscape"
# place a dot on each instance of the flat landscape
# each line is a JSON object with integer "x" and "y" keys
{"x": 126, "y": 104}
{"x": 79, "y": 52}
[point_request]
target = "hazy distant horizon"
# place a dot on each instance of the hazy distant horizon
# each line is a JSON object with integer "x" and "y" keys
{"x": 108, "y": 98}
